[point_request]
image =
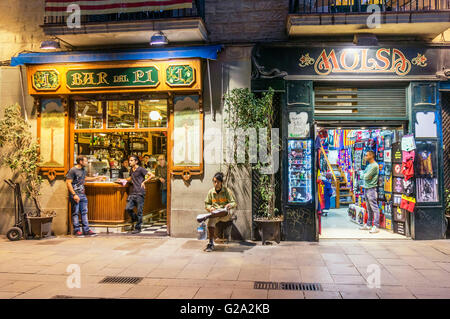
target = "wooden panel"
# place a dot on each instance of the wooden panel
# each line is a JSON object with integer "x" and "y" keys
{"x": 152, "y": 198}
{"x": 106, "y": 202}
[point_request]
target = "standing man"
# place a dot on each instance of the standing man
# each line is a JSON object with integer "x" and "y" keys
{"x": 370, "y": 177}
{"x": 75, "y": 180}
{"x": 136, "y": 196}
{"x": 161, "y": 175}
{"x": 219, "y": 197}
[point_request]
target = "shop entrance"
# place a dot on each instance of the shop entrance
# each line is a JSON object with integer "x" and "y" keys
{"x": 340, "y": 160}
{"x": 108, "y": 132}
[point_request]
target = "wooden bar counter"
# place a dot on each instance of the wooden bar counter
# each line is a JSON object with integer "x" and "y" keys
{"x": 107, "y": 201}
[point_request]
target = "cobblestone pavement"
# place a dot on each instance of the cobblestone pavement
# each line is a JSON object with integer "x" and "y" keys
{"x": 178, "y": 268}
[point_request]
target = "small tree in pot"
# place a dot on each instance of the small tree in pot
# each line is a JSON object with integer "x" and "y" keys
{"x": 248, "y": 112}
{"x": 20, "y": 154}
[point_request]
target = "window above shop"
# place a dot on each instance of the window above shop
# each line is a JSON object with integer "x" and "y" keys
{"x": 121, "y": 114}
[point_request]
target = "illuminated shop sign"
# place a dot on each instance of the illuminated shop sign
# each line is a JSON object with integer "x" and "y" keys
{"x": 272, "y": 61}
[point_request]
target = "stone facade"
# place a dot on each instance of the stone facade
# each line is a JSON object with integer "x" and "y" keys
{"x": 240, "y": 21}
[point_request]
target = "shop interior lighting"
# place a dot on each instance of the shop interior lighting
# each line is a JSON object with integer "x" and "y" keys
{"x": 159, "y": 39}
{"x": 155, "y": 116}
{"x": 50, "y": 45}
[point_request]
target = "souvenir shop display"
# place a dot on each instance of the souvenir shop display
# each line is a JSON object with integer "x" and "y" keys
{"x": 299, "y": 171}
{"x": 351, "y": 147}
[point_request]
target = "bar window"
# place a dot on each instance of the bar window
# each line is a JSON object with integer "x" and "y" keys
{"x": 153, "y": 113}
{"x": 120, "y": 114}
{"x": 88, "y": 115}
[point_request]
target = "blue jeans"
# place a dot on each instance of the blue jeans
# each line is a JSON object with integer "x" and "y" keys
{"x": 135, "y": 200}
{"x": 79, "y": 208}
{"x": 373, "y": 212}
{"x": 164, "y": 197}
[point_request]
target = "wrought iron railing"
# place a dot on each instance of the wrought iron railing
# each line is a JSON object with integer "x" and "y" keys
{"x": 345, "y": 6}
{"x": 197, "y": 11}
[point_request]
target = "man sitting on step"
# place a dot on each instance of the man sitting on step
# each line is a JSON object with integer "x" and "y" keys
{"x": 218, "y": 203}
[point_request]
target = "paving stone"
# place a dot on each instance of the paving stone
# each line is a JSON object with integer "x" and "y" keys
{"x": 224, "y": 273}
{"x": 285, "y": 294}
{"x": 348, "y": 279}
{"x": 143, "y": 292}
{"x": 315, "y": 274}
{"x": 419, "y": 262}
{"x": 242, "y": 293}
{"x": 322, "y": 295}
{"x": 213, "y": 293}
{"x": 20, "y": 286}
{"x": 429, "y": 291}
{"x": 342, "y": 269}
{"x": 178, "y": 293}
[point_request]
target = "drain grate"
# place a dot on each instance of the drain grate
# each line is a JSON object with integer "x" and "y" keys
{"x": 287, "y": 286}
{"x": 266, "y": 285}
{"x": 121, "y": 280}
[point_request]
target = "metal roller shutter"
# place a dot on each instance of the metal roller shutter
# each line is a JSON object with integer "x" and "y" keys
{"x": 359, "y": 103}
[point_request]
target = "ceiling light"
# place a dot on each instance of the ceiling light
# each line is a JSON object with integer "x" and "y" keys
{"x": 158, "y": 39}
{"x": 155, "y": 116}
{"x": 50, "y": 45}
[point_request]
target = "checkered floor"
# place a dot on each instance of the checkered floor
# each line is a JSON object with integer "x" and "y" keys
{"x": 156, "y": 227}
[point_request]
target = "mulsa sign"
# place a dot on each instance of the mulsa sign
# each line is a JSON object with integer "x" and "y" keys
{"x": 329, "y": 61}
{"x": 362, "y": 61}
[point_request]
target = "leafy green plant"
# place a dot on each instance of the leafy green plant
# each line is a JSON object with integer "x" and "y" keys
{"x": 20, "y": 152}
{"x": 247, "y": 111}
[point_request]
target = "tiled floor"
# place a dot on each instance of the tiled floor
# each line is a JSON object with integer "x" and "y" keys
{"x": 179, "y": 268}
{"x": 338, "y": 225}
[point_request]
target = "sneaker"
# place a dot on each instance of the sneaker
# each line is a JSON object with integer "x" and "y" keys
{"x": 374, "y": 230}
{"x": 202, "y": 217}
{"x": 90, "y": 233}
{"x": 365, "y": 227}
{"x": 136, "y": 231}
{"x": 209, "y": 248}
{"x": 78, "y": 234}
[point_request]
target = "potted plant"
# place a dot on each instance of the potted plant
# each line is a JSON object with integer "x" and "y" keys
{"x": 20, "y": 154}
{"x": 247, "y": 111}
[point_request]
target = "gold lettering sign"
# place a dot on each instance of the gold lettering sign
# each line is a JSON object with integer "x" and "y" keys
{"x": 382, "y": 60}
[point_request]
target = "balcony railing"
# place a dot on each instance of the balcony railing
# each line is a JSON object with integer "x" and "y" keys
{"x": 197, "y": 11}
{"x": 360, "y": 6}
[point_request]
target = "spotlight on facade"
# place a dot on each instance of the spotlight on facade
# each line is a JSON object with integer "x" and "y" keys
{"x": 159, "y": 39}
{"x": 50, "y": 45}
{"x": 365, "y": 39}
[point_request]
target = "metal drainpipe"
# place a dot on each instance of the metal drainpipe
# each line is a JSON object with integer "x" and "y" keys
{"x": 210, "y": 92}
{"x": 23, "y": 95}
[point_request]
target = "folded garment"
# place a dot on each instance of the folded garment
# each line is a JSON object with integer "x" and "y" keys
{"x": 406, "y": 156}
{"x": 408, "y": 203}
{"x": 408, "y": 169}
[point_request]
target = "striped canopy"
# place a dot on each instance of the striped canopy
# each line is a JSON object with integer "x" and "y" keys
{"x": 91, "y": 7}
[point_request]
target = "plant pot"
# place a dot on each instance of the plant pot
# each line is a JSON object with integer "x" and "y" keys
{"x": 269, "y": 229}
{"x": 40, "y": 226}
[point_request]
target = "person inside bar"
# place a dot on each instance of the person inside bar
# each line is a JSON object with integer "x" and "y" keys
{"x": 146, "y": 162}
{"x": 161, "y": 175}
{"x": 125, "y": 168}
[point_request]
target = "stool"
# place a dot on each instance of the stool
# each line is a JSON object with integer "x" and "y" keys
{"x": 223, "y": 229}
